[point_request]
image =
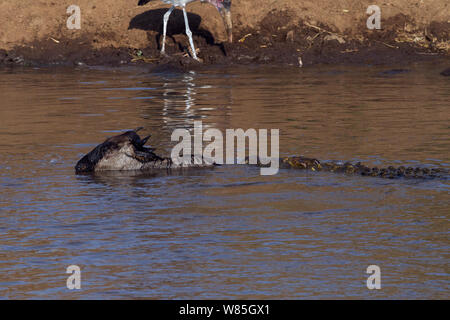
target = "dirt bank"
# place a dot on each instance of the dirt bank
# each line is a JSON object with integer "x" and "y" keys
{"x": 265, "y": 32}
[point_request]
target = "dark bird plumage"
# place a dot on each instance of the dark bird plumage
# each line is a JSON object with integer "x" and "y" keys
{"x": 223, "y": 6}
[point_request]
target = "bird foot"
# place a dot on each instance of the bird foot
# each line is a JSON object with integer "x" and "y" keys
{"x": 196, "y": 59}
{"x": 194, "y": 56}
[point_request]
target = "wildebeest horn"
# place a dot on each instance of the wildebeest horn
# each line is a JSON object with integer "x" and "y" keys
{"x": 144, "y": 141}
{"x": 138, "y": 129}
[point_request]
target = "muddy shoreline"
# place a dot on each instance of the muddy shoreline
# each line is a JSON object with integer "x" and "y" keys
{"x": 254, "y": 52}
{"x": 278, "y": 38}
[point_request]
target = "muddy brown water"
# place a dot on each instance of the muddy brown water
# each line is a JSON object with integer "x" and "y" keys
{"x": 227, "y": 232}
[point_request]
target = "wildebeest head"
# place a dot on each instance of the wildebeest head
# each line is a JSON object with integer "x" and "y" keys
{"x": 122, "y": 152}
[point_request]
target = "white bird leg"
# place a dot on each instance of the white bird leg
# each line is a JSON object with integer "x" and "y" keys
{"x": 166, "y": 19}
{"x": 189, "y": 33}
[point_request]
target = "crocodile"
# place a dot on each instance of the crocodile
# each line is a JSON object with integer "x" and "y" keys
{"x": 127, "y": 151}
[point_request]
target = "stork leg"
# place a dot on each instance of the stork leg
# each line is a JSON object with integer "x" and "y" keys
{"x": 189, "y": 34}
{"x": 166, "y": 19}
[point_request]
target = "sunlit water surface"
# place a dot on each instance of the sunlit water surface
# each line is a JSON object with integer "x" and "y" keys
{"x": 227, "y": 232}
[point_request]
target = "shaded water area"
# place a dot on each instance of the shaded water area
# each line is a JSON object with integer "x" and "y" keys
{"x": 227, "y": 232}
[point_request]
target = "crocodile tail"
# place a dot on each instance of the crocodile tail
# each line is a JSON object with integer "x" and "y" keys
{"x": 363, "y": 170}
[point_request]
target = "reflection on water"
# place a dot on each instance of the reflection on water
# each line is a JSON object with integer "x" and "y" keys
{"x": 225, "y": 232}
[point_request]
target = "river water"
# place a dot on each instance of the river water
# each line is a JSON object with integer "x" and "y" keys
{"x": 227, "y": 232}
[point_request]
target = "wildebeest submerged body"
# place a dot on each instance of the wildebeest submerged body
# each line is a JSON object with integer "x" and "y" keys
{"x": 127, "y": 151}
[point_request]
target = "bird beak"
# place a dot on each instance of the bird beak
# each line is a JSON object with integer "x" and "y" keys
{"x": 226, "y": 16}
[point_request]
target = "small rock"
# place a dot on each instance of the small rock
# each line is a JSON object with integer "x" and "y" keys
{"x": 446, "y": 72}
{"x": 300, "y": 62}
{"x": 409, "y": 27}
{"x": 18, "y": 60}
{"x": 245, "y": 57}
{"x": 290, "y": 36}
{"x": 331, "y": 37}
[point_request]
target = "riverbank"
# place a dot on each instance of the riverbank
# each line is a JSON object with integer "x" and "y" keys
{"x": 273, "y": 32}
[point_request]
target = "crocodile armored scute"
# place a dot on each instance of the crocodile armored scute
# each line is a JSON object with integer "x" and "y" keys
{"x": 301, "y": 163}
